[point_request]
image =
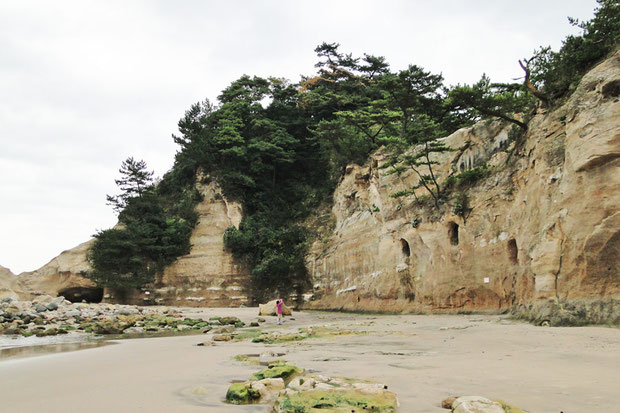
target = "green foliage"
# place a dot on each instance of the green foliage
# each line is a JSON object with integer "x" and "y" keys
{"x": 154, "y": 230}
{"x": 467, "y": 178}
{"x": 461, "y": 206}
{"x": 558, "y": 73}
{"x": 502, "y": 100}
{"x": 134, "y": 181}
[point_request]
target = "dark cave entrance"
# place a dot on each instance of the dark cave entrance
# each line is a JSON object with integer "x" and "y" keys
{"x": 79, "y": 294}
{"x": 406, "y": 251}
{"x": 453, "y": 233}
{"x": 513, "y": 251}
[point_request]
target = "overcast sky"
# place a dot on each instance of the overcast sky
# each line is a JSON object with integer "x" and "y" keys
{"x": 84, "y": 84}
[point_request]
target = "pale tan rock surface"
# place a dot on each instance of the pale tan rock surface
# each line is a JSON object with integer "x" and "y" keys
{"x": 207, "y": 276}
{"x": 476, "y": 404}
{"x": 545, "y": 224}
{"x": 64, "y": 271}
{"x": 269, "y": 308}
{"x": 9, "y": 284}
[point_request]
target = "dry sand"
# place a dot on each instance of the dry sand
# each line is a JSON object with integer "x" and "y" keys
{"x": 422, "y": 358}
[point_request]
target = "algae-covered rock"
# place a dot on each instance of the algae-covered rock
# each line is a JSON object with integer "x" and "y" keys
{"x": 230, "y": 320}
{"x": 336, "y": 401}
{"x": 241, "y": 393}
{"x": 284, "y": 371}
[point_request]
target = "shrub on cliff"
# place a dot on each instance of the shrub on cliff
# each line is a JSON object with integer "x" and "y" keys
{"x": 554, "y": 74}
{"x": 152, "y": 232}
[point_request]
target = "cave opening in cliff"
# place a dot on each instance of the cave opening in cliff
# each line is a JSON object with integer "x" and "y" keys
{"x": 405, "y": 248}
{"x": 453, "y": 233}
{"x": 82, "y": 294}
{"x": 513, "y": 251}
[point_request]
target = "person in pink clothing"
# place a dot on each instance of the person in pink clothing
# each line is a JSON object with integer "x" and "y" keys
{"x": 279, "y": 310}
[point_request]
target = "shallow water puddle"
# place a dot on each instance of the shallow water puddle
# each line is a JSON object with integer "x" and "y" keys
{"x": 39, "y": 350}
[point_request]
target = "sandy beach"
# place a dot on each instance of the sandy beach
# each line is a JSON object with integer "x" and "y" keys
{"x": 423, "y": 359}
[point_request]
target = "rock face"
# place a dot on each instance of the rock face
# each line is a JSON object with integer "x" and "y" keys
{"x": 63, "y": 272}
{"x": 207, "y": 276}
{"x": 270, "y": 309}
{"x": 9, "y": 284}
{"x": 543, "y": 224}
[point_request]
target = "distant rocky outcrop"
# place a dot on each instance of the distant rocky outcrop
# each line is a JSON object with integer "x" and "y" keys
{"x": 543, "y": 225}
{"x": 207, "y": 276}
{"x": 9, "y": 284}
{"x": 66, "y": 271}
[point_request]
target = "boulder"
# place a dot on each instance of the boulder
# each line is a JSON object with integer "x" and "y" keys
{"x": 476, "y": 404}
{"x": 270, "y": 309}
{"x": 268, "y": 388}
{"x": 283, "y": 371}
{"x": 222, "y": 337}
{"x": 268, "y": 357}
{"x": 241, "y": 393}
{"x": 447, "y": 402}
{"x": 229, "y": 320}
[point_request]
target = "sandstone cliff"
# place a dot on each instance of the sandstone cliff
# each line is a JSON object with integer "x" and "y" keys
{"x": 62, "y": 273}
{"x": 544, "y": 224}
{"x": 206, "y": 276}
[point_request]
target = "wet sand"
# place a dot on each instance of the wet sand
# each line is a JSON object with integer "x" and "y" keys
{"x": 423, "y": 359}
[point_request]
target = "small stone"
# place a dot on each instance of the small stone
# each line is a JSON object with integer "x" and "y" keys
{"x": 51, "y": 306}
{"x": 261, "y": 320}
{"x": 40, "y": 308}
{"x": 254, "y": 324}
{"x": 229, "y": 320}
{"x": 222, "y": 337}
{"x": 476, "y": 404}
{"x": 224, "y": 330}
{"x": 267, "y": 357}
{"x": 447, "y": 402}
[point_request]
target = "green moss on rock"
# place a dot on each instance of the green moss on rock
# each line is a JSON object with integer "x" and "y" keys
{"x": 230, "y": 320}
{"x": 284, "y": 371}
{"x": 241, "y": 393}
{"x": 336, "y": 402}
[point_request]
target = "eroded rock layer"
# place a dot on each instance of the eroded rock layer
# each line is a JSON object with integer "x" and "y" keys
{"x": 207, "y": 276}
{"x": 543, "y": 224}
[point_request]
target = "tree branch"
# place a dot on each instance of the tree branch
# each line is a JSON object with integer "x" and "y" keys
{"x": 528, "y": 84}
